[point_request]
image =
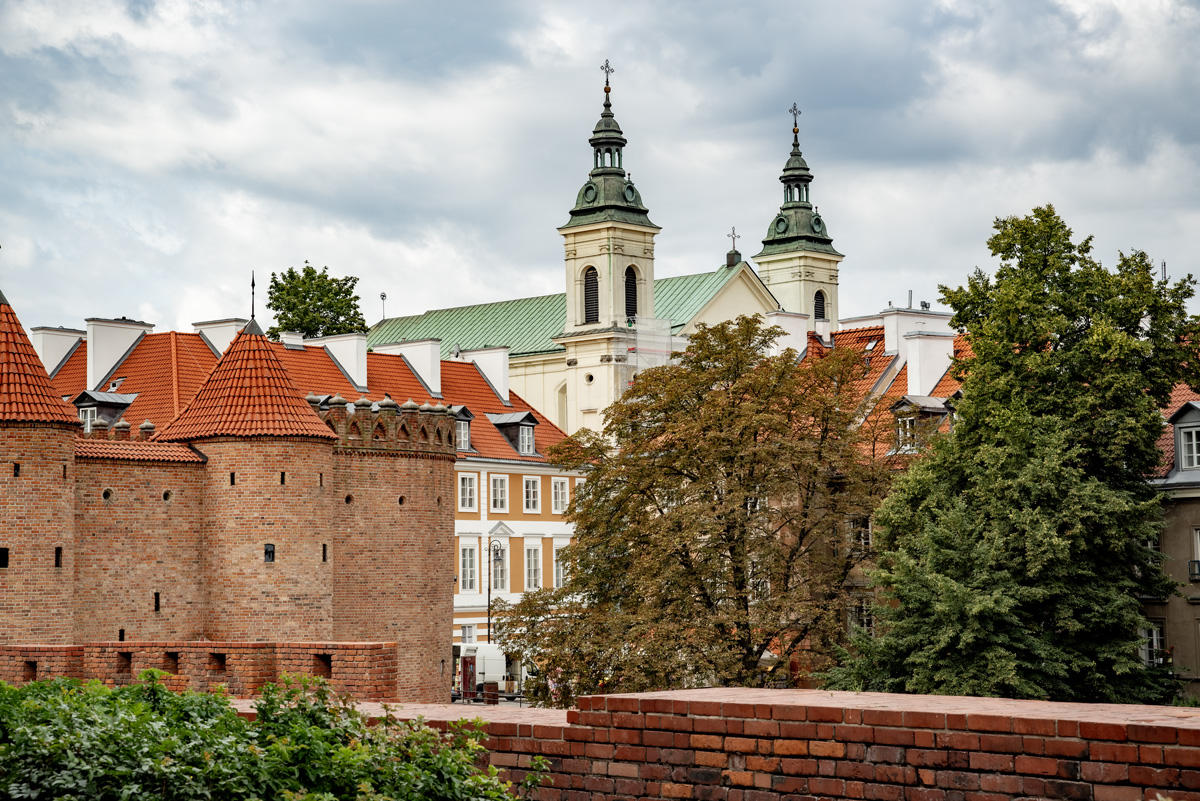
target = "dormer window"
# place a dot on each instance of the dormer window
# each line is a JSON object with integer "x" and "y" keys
{"x": 517, "y": 428}
{"x": 88, "y": 415}
{"x": 1189, "y": 449}
{"x": 525, "y": 445}
{"x": 462, "y": 435}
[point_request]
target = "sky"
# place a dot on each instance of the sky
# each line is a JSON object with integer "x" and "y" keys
{"x": 153, "y": 152}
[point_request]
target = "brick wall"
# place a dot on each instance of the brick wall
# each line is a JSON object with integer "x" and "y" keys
{"x": 770, "y": 745}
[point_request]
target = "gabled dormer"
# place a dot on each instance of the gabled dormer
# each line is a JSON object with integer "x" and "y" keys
{"x": 462, "y": 428}
{"x": 517, "y": 428}
{"x": 1185, "y": 430}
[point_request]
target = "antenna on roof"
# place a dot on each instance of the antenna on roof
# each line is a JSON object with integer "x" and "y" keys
{"x": 383, "y": 304}
{"x": 252, "y": 294}
{"x": 1164, "y": 270}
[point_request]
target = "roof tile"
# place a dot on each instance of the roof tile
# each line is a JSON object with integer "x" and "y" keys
{"x": 26, "y": 393}
{"x": 135, "y": 451}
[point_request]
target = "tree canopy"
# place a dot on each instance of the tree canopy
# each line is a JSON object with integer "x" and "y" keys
{"x": 314, "y": 303}
{"x": 1014, "y": 554}
{"x": 711, "y": 532}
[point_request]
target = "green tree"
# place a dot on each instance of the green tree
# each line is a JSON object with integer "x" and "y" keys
{"x": 1015, "y": 553}
{"x": 314, "y": 303}
{"x": 711, "y": 530}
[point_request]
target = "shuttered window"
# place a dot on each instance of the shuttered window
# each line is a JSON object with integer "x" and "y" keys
{"x": 819, "y": 305}
{"x": 630, "y": 292}
{"x": 591, "y": 296}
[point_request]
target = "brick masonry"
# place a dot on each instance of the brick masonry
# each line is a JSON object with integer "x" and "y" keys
{"x": 777, "y": 745}
{"x": 353, "y": 562}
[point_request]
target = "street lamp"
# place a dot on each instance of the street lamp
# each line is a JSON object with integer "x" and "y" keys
{"x": 497, "y": 549}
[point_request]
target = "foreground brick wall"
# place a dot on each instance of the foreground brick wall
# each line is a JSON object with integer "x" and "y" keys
{"x": 771, "y": 745}
{"x": 366, "y": 670}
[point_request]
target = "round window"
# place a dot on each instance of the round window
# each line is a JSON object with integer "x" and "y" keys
{"x": 817, "y": 224}
{"x": 589, "y": 193}
{"x": 630, "y": 192}
{"x": 780, "y": 225}
{"x": 587, "y": 379}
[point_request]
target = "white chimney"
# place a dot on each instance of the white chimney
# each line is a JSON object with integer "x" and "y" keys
{"x": 108, "y": 342}
{"x": 53, "y": 344}
{"x": 493, "y": 363}
{"x": 350, "y": 351}
{"x": 292, "y": 340}
{"x": 929, "y": 355}
{"x": 898, "y": 322}
{"x": 425, "y": 358}
{"x": 220, "y": 332}
{"x": 795, "y": 331}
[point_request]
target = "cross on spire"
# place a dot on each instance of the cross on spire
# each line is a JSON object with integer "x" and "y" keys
{"x": 734, "y": 235}
{"x": 607, "y": 70}
{"x": 795, "y": 112}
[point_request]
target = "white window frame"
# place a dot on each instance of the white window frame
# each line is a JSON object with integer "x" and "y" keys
{"x": 1153, "y": 643}
{"x": 560, "y": 570}
{"x": 525, "y": 440}
{"x": 498, "y": 482}
{"x": 88, "y": 415}
{"x": 906, "y": 432}
{"x": 531, "y": 504}
{"x": 533, "y": 567}
{"x": 1189, "y": 448}
{"x": 471, "y": 480}
{"x": 499, "y": 578}
{"x": 861, "y": 614}
{"x": 560, "y": 495}
{"x": 467, "y": 633}
{"x": 468, "y": 576}
{"x": 462, "y": 435}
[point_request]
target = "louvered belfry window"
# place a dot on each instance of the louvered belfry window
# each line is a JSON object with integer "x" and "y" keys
{"x": 591, "y": 296}
{"x": 819, "y": 305}
{"x": 630, "y": 292}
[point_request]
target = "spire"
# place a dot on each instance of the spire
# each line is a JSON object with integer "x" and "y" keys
{"x": 609, "y": 194}
{"x": 247, "y": 394}
{"x": 798, "y": 226}
{"x": 25, "y": 391}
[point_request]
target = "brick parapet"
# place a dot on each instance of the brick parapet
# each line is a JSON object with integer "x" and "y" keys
{"x": 776, "y": 745}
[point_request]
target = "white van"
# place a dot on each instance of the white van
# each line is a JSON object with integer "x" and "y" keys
{"x": 489, "y": 664}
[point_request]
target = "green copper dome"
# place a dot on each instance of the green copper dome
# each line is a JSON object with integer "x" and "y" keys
{"x": 609, "y": 194}
{"x": 798, "y": 227}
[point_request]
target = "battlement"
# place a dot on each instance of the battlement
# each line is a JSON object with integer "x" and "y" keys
{"x": 388, "y": 427}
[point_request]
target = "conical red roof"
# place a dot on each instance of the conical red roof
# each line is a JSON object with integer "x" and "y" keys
{"x": 247, "y": 394}
{"x": 25, "y": 391}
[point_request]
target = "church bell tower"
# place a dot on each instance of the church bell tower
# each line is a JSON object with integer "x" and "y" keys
{"x": 798, "y": 262}
{"x": 609, "y": 249}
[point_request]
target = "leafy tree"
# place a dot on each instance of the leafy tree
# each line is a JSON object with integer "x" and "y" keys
{"x": 1015, "y": 552}
{"x": 711, "y": 530}
{"x": 73, "y": 740}
{"x": 314, "y": 303}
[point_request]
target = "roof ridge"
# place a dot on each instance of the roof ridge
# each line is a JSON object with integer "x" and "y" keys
{"x": 26, "y": 393}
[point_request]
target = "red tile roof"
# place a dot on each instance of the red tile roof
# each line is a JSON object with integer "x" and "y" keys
{"x": 135, "y": 451}
{"x": 247, "y": 394}
{"x": 1166, "y": 440}
{"x": 464, "y": 385}
{"x": 71, "y": 378}
{"x": 26, "y": 393}
{"x": 948, "y": 384}
{"x": 165, "y": 371}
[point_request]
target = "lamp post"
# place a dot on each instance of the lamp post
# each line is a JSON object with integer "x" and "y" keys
{"x": 497, "y": 550}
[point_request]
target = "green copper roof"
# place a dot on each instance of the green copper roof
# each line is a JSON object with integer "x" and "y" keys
{"x": 528, "y": 325}
{"x": 797, "y": 228}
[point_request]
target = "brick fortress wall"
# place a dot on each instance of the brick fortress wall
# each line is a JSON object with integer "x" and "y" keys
{"x": 774, "y": 745}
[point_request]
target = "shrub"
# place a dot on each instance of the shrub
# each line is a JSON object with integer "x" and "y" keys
{"x": 65, "y": 739}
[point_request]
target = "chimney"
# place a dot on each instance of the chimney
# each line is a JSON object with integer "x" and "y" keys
{"x": 220, "y": 333}
{"x": 929, "y": 355}
{"x": 53, "y": 344}
{"x": 424, "y": 357}
{"x": 292, "y": 340}
{"x": 108, "y": 342}
{"x": 493, "y": 363}
{"x": 732, "y": 258}
{"x": 795, "y": 331}
{"x": 897, "y": 322}
{"x": 350, "y": 352}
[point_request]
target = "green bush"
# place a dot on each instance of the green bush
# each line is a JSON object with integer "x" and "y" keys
{"x": 65, "y": 739}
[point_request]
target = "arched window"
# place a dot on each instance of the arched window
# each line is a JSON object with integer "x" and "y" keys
{"x": 819, "y": 305}
{"x": 591, "y": 296}
{"x": 630, "y": 292}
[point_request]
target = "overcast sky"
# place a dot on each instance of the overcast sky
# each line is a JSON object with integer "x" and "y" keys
{"x": 153, "y": 153}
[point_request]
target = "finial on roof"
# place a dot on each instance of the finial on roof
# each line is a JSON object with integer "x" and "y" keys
{"x": 363, "y": 402}
{"x": 607, "y": 70}
{"x": 337, "y": 400}
{"x": 252, "y": 295}
{"x": 795, "y": 112}
{"x": 408, "y": 405}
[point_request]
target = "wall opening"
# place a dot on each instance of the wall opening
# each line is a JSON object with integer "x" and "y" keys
{"x": 349, "y": 499}
{"x": 29, "y": 671}
{"x": 216, "y": 664}
{"x": 64, "y": 471}
{"x": 232, "y": 479}
{"x": 124, "y": 663}
{"x": 16, "y": 469}
{"x": 166, "y": 495}
{"x": 269, "y": 552}
{"x": 171, "y": 661}
{"x": 324, "y": 552}
{"x": 400, "y": 500}
{"x": 282, "y": 478}
{"x": 3, "y": 558}
{"x": 322, "y": 665}
{"x": 320, "y": 479}
{"x": 107, "y": 495}
{"x": 120, "y": 635}
{"x": 631, "y": 309}
{"x": 58, "y": 556}
{"x": 157, "y": 602}
{"x": 819, "y": 305}
{"x": 591, "y": 295}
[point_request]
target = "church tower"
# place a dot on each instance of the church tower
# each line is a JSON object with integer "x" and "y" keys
{"x": 798, "y": 262}
{"x": 609, "y": 243}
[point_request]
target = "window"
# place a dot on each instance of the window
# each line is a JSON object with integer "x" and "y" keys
{"x": 906, "y": 433}
{"x": 268, "y": 553}
{"x": 462, "y": 435}
{"x": 630, "y": 292}
{"x": 819, "y": 305}
{"x": 324, "y": 552}
{"x": 499, "y": 493}
{"x": 533, "y": 568}
{"x": 861, "y": 615}
{"x": 858, "y": 533}
{"x": 157, "y": 602}
{"x": 559, "y": 495}
{"x": 468, "y": 632}
{"x": 525, "y": 441}
{"x": 466, "y": 577}
{"x": 499, "y": 568}
{"x": 3, "y": 558}
{"x": 533, "y": 494}
{"x": 466, "y": 492}
{"x": 591, "y": 296}
{"x": 560, "y": 570}
{"x": 58, "y": 556}
{"x": 1153, "y": 648}
{"x": 88, "y": 416}
{"x": 1190, "y": 449}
